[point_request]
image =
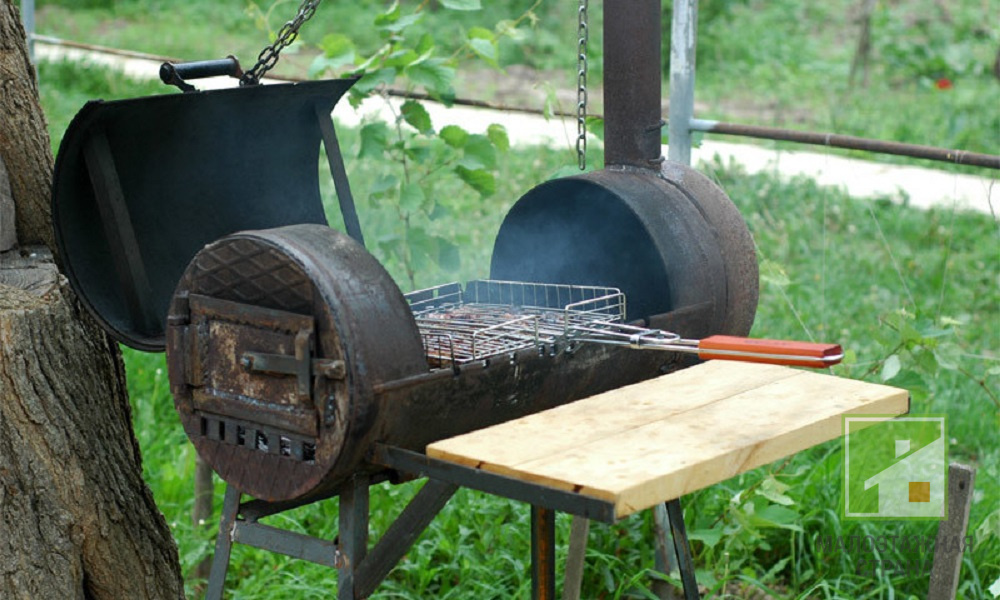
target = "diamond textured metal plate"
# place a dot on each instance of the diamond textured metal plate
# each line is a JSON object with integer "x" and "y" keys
{"x": 252, "y": 273}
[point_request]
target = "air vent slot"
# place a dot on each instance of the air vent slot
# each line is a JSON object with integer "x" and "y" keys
{"x": 257, "y": 438}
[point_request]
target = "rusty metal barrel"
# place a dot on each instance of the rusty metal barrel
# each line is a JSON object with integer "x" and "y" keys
{"x": 670, "y": 239}
{"x": 275, "y": 340}
{"x": 291, "y": 352}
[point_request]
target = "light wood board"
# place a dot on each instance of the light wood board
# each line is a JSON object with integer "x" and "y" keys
{"x": 657, "y": 440}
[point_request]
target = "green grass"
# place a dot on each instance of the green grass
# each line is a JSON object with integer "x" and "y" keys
{"x": 787, "y": 64}
{"x": 833, "y": 268}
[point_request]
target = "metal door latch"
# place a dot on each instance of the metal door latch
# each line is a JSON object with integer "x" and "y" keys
{"x": 303, "y": 366}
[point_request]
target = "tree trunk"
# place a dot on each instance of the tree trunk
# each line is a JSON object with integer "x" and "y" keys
{"x": 24, "y": 141}
{"x": 76, "y": 519}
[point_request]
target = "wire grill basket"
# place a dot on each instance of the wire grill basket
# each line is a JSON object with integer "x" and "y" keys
{"x": 490, "y": 318}
{"x": 494, "y": 318}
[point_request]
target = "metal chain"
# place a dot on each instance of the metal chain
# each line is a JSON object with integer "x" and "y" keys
{"x": 268, "y": 57}
{"x": 583, "y": 34}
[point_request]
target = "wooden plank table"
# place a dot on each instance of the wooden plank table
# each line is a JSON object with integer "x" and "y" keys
{"x": 650, "y": 443}
{"x": 647, "y": 443}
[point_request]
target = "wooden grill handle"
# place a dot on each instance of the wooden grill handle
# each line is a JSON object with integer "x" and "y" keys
{"x": 773, "y": 352}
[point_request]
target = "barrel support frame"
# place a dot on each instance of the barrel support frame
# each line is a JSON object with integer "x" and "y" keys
{"x": 361, "y": 569}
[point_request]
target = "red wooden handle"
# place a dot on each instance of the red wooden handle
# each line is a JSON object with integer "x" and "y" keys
{"x": 773, "y": 352}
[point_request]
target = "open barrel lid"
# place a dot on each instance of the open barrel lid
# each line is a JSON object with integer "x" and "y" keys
{"x": 141, "y": 185}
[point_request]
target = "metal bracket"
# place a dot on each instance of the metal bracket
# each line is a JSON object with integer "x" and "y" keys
{"x": 118, "y": 230}
{"x": 341, "y": 184}
{"x": 361, "y": 571}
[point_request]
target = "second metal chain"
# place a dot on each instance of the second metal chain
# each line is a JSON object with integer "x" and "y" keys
{"x": 288, "y": 33}
{"x": 583, "y": 34}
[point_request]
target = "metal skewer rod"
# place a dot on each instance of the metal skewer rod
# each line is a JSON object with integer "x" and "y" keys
{"x": 725, "y": 347}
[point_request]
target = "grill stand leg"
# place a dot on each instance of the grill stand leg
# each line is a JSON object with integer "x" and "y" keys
{"x": 353, "y": 538}
{"x": 683, "y": 549}
{"x": 543, "y": 553}
{"x": 664, "y": 556}
{"x": 575, "y": 558}
{"x": 401, "y": 535}
{"x": 666, "y": 562}
{"x": 223, "y": 544}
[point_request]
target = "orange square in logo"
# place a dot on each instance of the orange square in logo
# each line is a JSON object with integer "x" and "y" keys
{"x": 920, "y": 491}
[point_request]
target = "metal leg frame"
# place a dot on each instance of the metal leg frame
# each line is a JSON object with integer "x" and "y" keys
{"x": 666, "y": 561}
{"x": 360, "y": 571}
{"x": 545, "y": 502}
{"x": 402, "y": 534}
{"x": 223, "y": 544}
{"x": 664, "y": 556}
{"x": 543, "y": 557}
{"x": 575, "y": 556}
{"x": 950, "y": 542}
{"x": 353, "y": 537}
{"x": 683, "y": 549}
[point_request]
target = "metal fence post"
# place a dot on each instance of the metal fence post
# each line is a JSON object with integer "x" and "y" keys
{"x": 683, "y": 36}
{"x": 951, "y": 538}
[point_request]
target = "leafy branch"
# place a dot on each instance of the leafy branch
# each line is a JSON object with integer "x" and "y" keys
{"x": 429, "y": 163}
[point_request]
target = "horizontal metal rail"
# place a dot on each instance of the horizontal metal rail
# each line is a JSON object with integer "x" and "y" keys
{"x": 958, "y": 157}
{"x": 289, "y": 543}
{"x": 493, "y": 483}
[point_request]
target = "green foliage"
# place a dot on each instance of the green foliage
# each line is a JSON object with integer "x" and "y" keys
{"x": 421, "y": 165}
{"x": 780, "y": 62}
{"x": 912, "y": 297}
{"x": 925, "y": 40}
{"x": 462, "y": 4}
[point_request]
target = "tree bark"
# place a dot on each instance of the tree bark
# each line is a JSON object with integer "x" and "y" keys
{"x": 76, "y": 519}
{"x": 24, "y": 142}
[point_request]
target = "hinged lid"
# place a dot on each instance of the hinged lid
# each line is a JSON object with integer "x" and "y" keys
{"x": 142, "y": 185}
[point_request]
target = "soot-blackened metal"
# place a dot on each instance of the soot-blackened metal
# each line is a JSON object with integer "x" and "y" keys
{"x": 632, "y": 80}
{"x": 130, "y": 214}
{"x": 262, "y": 293}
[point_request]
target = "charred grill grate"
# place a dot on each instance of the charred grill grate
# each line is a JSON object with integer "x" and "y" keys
{"x": 493, "y": 318}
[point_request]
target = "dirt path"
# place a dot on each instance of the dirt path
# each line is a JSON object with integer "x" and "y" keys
{"x": 915, "y": 186}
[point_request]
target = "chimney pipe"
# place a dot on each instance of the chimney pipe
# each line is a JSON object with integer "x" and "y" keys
{"x": 632, "y": 82}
